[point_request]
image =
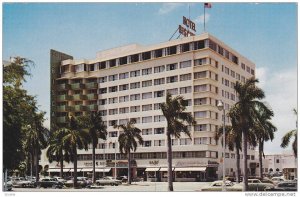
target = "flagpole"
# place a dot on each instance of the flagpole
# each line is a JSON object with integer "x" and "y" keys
{"x": 204, "y": 17}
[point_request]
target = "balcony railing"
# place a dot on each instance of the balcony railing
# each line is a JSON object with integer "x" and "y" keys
{"x": 78, "y": 108}
{"x": 64, "y": 97}
{"x": 77, "y": 86}
{"x": 92, "y": 107}
{"x": 61, "y": 119}
{"x": 92, "y": 96}
{"x": 63, "y": 86}
{"x": 91, "y": 85}
{"x": 62, "y": 108}
{"x": 79, "y": 97}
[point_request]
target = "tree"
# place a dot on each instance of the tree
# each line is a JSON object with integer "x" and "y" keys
{"x": 177, "y": 123}
{"x": 245, "y": 112}
{"x": 128, "y": 138}
{"x": 56, "y": 151}
{"x": 97, "y": 129}
{"x": 36, "y": 139}
{"x": 287, "y": 138}
{"x": 264, "y": 131}
{"x": 75, "y": 138}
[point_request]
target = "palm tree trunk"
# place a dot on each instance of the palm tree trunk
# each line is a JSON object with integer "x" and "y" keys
{"x": 32, "y": 163}
{"x": 36, "y": 164}
{"x": 169, "y": 158}
{"x": 237, "y": 164}
{"x": 245, "y": 140}
{"x": 94, "y": 161}
{"x": 129, "y": 166}
{"x": 61, "y": 174}
{"x": 260, "y": 159}
{"x": 75, "y": 167}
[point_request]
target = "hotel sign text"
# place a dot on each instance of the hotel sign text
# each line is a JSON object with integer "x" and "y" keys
{"x": 190, "y": 25}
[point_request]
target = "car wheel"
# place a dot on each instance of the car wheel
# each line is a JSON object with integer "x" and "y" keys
{"x": 23, "y": 185}
{"x": 54, "y": 186}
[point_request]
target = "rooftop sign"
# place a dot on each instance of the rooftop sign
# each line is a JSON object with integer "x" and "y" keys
{"x": 190, "y": 26}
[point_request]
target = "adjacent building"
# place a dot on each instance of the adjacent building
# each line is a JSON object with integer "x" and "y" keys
{"x": 130, "y": 82}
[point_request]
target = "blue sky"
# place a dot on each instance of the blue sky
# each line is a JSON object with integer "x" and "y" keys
{"x": 264, "y": 33}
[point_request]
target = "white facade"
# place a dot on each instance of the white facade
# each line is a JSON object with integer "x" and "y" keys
{"x": 201, "y": 74}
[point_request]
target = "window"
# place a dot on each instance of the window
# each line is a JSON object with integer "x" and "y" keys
{"x": 92, "y": 67}
{"x": 80, "y": 68}
{"x": 147, "y": 143}
{"x": 102, "y": 65}
{"x": 137, "y": 120}
{"x": 113, "y": 122}
{"x": 158, "y": 53}
{"x": 174, "y": 142}
{"x": 159, "y": 69}
{"x": 172, "y": 79}
{"x": 147, "y": 119}
{"x": 201, "y": 61}
{"x": 252, "y": 72}
{"x": 277, "y": 161}
{"x": 113, "y": 100}
{"x": 102, "y": 101}
{"x": 232, "y": 73}
{"x": 185, "y": 64}
{"x": 248, "y": 69}
{"x": 199, "y": 45}
{"x": 134, "y": 58}
{"x": 147, "y": 107}
{"x": 199, "y": 75}
{"x": 159, "y": 93}
{"x": 123, "y": 75}
{"x": 200, "y": 88}
{"x": 112, "y": 63}
{"x": 200, "y": 114}
{"x": 113, "y": 77}
{"x": 171, "y": 50}
{"x": 113, "y": 89}
{"x": 159, "y": 142}
{"x": 147, "y": 95}
{"x": 185, "y": 90}
{"x": 201, "y": 140}
{"x": 102, "y": 79}
{"x": 134, "y": 108}
{"x": 159, "y": 118}
{"x": 171, "y": 67}
{"x": 135, "y": 85}
{"x": 146, "y": 55}
{"x": 123, "y": 60}
{"x": 146, "y": 131}
{"x": 113, "y": 134}
{"x": 200, "y": 101}
{"x": 135, "y": 73}
{"x": 135, "y": 97}
{"x": 124, "y": 110}
{"x": 237, "y": 76}
{"x": 123, "y": 87}
{"x": 188, "y": 102}
{"x": 113, "y": 111}
{"x": 226, "y": 70}
{"x": 160, "y": 130}
{"x": 123, "y": 99}
{"x": 103, "y": 112}
{"x": 186, "y": 77}
{"x": 147, "y": 83}
{"x": 159, "y": 81}
{"x": 173, "y": 91}
{"x": 156, "y": 106}
{"x": 103, "y": 90}
{"x": 123, "y": 121}
{"x": 147, "y": 71}
{"x": 200, "y": 127}
{"x": 243, "y": 66}
{"x": 185, "y": 141}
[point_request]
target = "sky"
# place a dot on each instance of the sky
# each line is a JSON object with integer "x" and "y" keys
{"x": 265, "y": 33}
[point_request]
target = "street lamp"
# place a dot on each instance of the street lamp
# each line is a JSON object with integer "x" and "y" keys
{"x": 104, "y": 163}
{"x": 220, "y": 108}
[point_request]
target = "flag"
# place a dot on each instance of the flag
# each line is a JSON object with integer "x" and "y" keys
{"x": 207, "y": 5}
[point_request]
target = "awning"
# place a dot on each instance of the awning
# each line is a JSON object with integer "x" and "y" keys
{"x": 201, "y": 169}
{"x": 151, "y": 169}
{"x": 78, "y": 170}
{"x": 58, "y": 170}
{"x": 162, "y": 169}
{"x": 87, "y": 170}
{"x": 102, "y": 169}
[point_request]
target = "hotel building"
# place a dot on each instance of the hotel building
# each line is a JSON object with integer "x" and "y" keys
{"x": 130, "y": 82}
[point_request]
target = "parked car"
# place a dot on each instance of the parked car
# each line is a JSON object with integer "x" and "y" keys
{"x": 81, "y": 182}
{"x": 21, "y": 182}
{"x": 277, "y": 180}
{"x": 59, "y": 179}
{"x": 108, "y": 181}
{"x": 286, "y": 186}
{"x": 257, "y": 185}
{"x": 8, "y": 185}
{"x": 122, "y": 178}
{"x": 49, "y": 182}
{"x": 218, "y": 186}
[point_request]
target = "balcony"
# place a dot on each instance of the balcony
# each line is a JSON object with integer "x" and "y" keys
{"x": 63, "y": 86}
{"x": 61, "y": 119}
{"x": 92, "y": 107}
{"x": 64, "y": 97}
{"x": 77, "y": 86}
{"x": 92, "y": 96}
{"x": 62, "y": 108}
{"x": 79, "y": 97}
{"x": 77, "y": 108}
{"x": 92, "y": 85}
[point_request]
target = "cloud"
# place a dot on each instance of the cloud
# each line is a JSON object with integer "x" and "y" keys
{"x": 168, "y": 7}
{"x": 200, "y": 19}
{"x": 280, "y": 88}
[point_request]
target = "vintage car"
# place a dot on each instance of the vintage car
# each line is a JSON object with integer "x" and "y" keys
{"x": 218, "y": 186}
{"x": 257, "y": 185}
{"x": 286, "y": 186}
{"x": 49, "y": 182}
{"x": 7, "y": 186}
{"x": 108, "y": 181}
{"x": 21, "y": 182}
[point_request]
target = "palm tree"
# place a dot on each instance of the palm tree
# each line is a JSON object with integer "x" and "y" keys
{"x": 75, "y": 138}
{"x": 36, "y": 139}
{"x": 287, "y": 137}
{"x": 264, "y": 131}
{"x": 55, "y": 151}
{"x": 177, "y": 122}
{"x": 127, "y": 141}
{"x": 97, "y": 129}
{"x": 233, "y": 140}
{"x": 249, "y": 95}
